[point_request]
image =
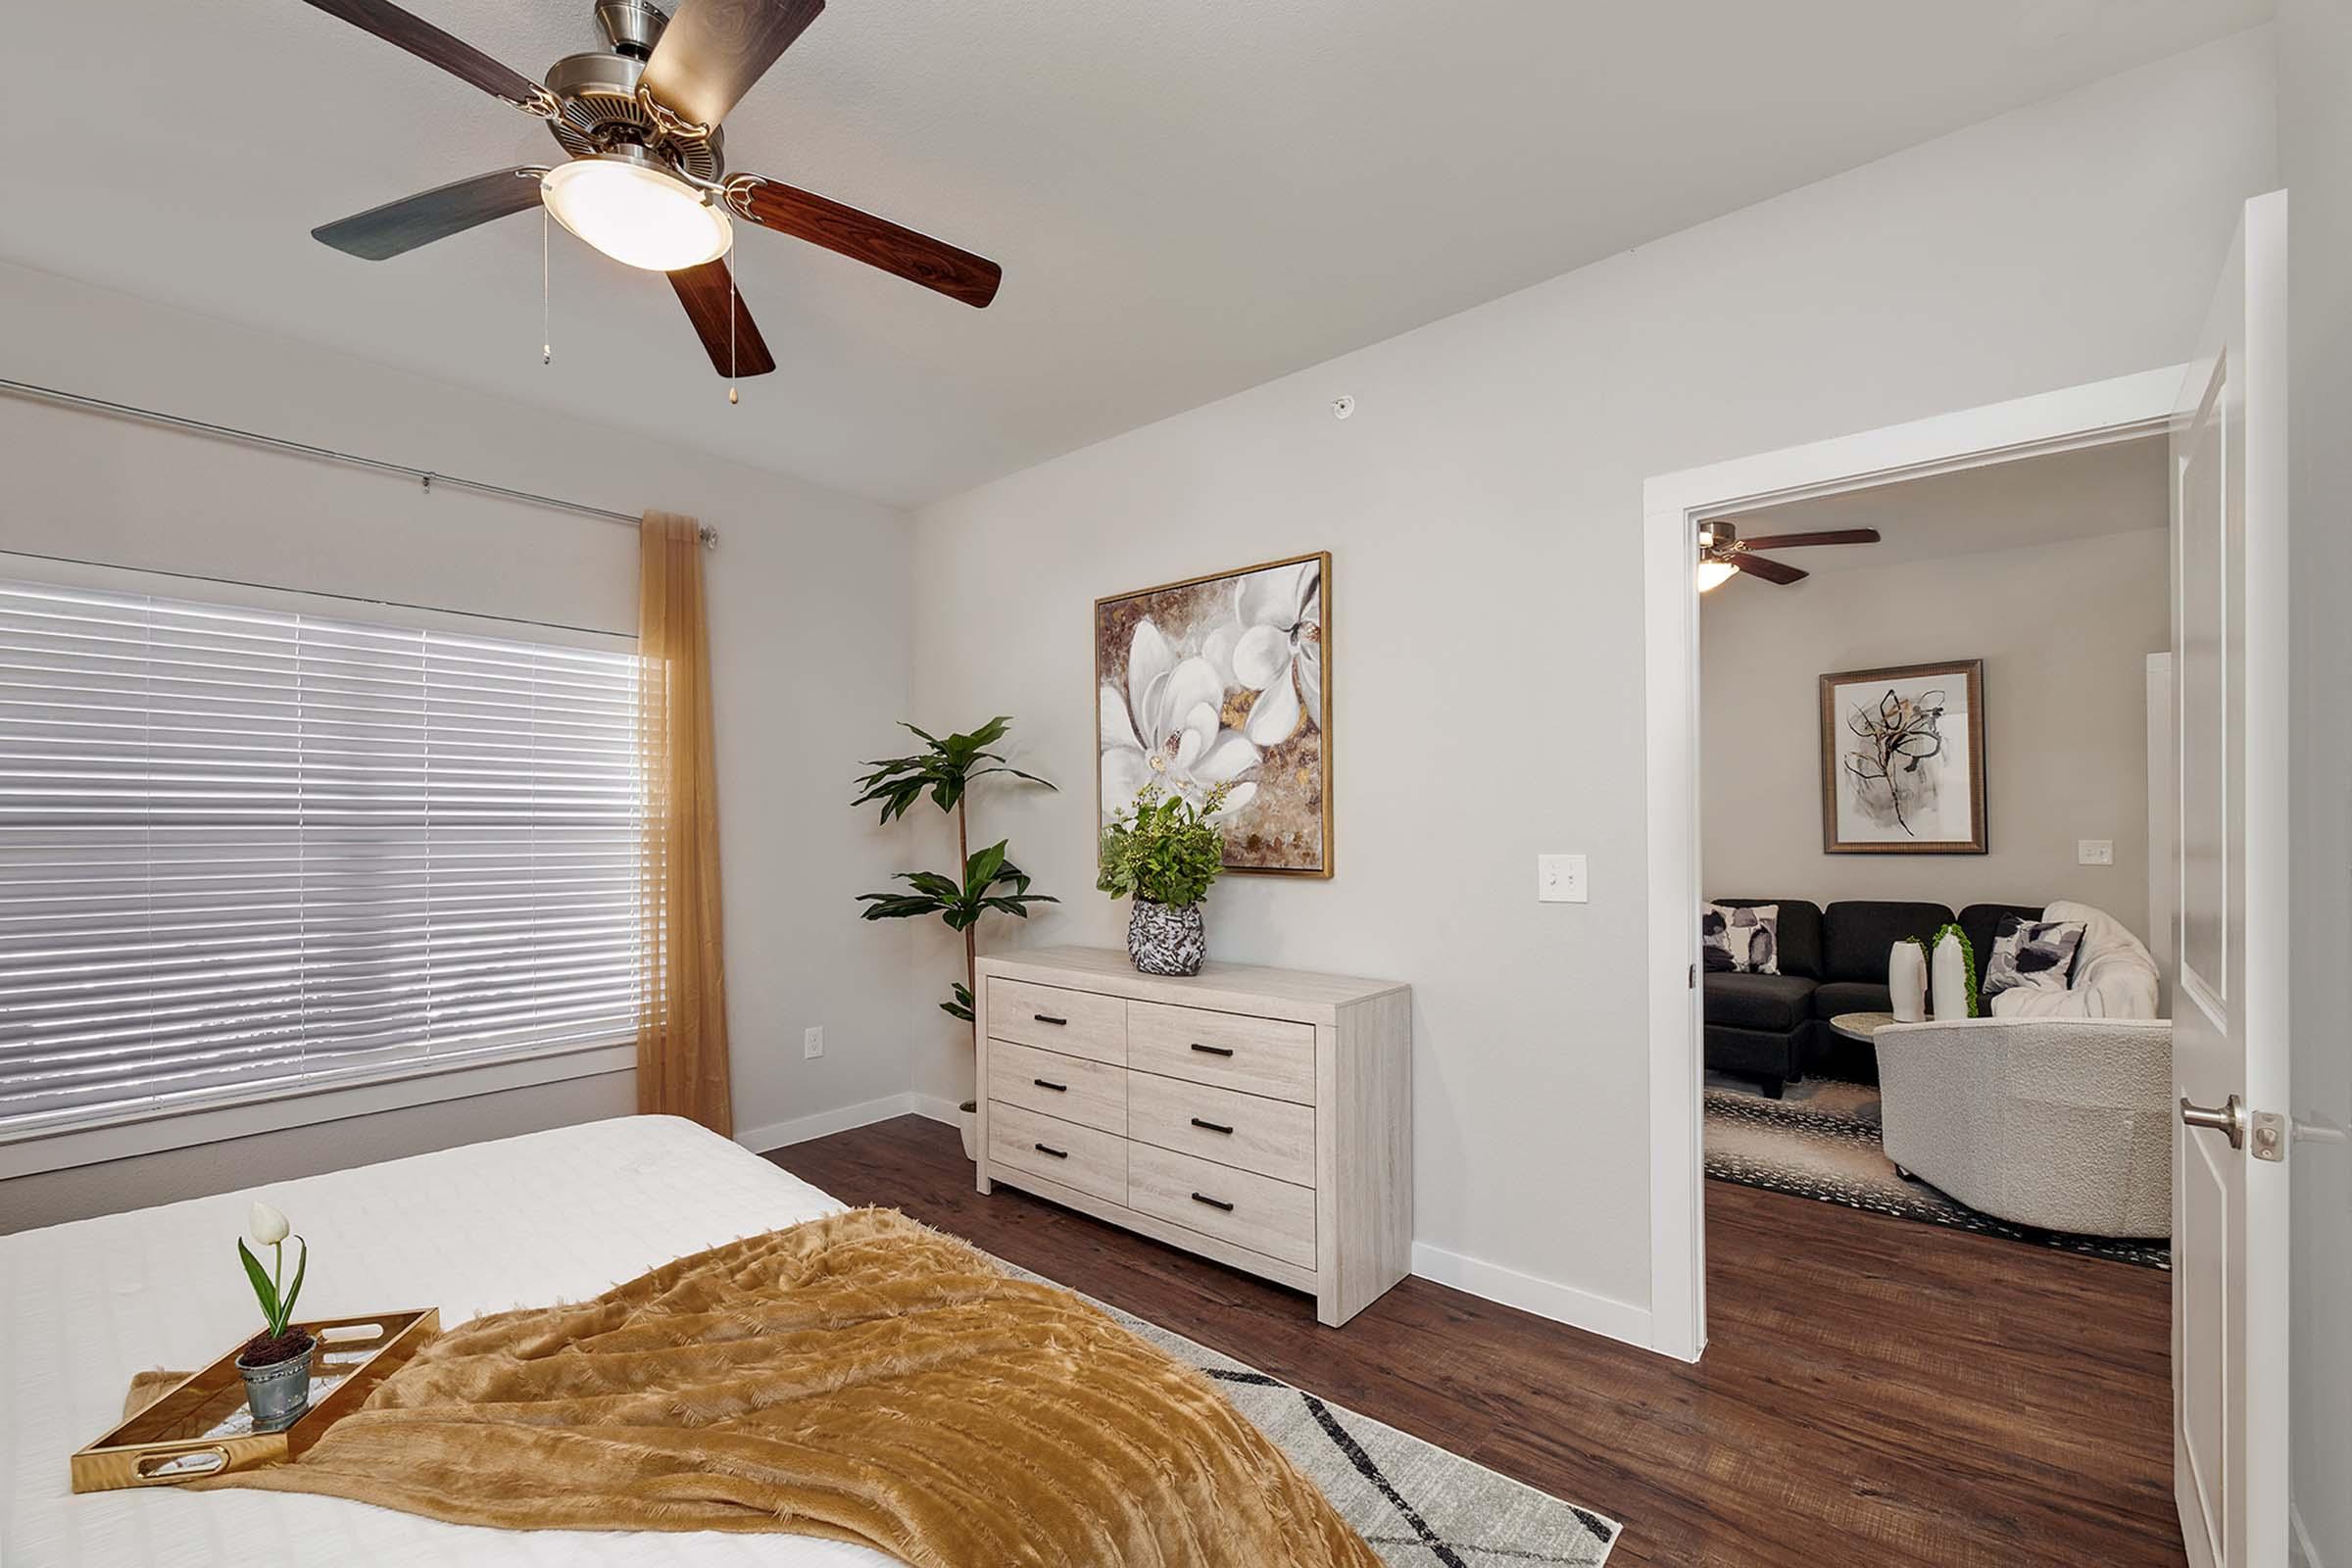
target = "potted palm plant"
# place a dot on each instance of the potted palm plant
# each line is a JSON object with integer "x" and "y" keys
{"x": 988, "y": 883}
{"x": 275, "y": 1363}
{"x": 1163, "y": 852}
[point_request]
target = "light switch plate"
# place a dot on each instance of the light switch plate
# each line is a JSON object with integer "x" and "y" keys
{"x": 812, "y": 1043}
{"x": 2094, "y": 852}
{"x": 1560, "y": 878}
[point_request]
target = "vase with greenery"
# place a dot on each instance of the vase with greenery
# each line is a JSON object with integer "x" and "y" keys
{"x": 943, "y": 772}
{"x": 1163, "y": 852}
{"x": 275, "y": 1363}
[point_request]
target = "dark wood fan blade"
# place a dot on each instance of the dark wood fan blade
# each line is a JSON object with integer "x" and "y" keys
{"x": 705, "y": 293}
{"x": 429, "y": 43}
{"x": 713, "y": 50}
{"x": 1769, "y": 570}
{"x": 385, "y": 231}
{"x": 1835, "y": 536}
{"x": 876, "y": 241}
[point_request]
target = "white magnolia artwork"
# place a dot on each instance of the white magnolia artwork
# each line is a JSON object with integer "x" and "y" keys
{"x": 1902, "y": 760}
{"x": 1224, "y": 679}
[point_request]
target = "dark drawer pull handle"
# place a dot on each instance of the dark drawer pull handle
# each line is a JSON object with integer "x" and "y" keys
{"x": 1049, "y": 1148}
{"x": 1214, "y": 1203}
{"x": 1046, "y": 1083}
{"x": 1211, "y": 1126}
{"x": 1212, "y": 1051}
{"x": 1047, "y": 1017}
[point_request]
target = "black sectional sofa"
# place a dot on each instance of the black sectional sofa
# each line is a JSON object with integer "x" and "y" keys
{"x": 1775, "y": 1028}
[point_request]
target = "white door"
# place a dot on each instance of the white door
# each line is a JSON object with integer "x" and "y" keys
{"x": 2229, "y": 1058}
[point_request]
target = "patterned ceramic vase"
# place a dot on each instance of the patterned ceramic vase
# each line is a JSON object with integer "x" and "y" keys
{"x": 1166, "y": 939}
{"x": 1907, "y": 982}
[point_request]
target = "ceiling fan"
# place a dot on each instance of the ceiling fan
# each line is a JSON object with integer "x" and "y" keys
{"x": 1722, "y": 551}
{"x": 646, "y": 182}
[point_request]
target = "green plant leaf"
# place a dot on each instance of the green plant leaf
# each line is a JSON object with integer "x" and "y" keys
{"x": 286, "y": 1308}
{"x": 260, "y": 1276}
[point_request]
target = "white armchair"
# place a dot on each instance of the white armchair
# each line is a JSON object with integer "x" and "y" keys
{"x": 2060, "y": 1122}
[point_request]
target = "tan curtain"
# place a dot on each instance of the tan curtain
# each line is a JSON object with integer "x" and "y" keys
{"x": 682, "y": 1011}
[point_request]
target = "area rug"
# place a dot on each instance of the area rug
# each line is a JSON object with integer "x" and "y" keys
{"x": 1822, "y": 1141}
{"x": 1417, "y": 1505}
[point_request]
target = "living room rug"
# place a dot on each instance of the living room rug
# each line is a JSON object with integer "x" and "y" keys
{"x": 1414, "y": 1504}
{"x": 1822, "y": 1141}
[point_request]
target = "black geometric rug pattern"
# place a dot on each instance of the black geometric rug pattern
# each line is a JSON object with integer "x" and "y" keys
{"x": 1414, "y": 1504}
{"x": 1822, "y": 1141}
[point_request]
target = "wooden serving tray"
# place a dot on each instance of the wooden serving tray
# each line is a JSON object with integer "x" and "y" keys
{"x": 203, "y": 1428}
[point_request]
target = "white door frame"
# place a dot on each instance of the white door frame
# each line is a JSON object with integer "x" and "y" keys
{"x": 1673, "y": 505}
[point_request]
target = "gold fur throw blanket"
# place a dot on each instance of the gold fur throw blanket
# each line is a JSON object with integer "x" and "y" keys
{"x": 860, "y": 1377}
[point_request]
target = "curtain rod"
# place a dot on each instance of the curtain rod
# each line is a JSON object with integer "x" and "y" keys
{"x": 426, "y": 477}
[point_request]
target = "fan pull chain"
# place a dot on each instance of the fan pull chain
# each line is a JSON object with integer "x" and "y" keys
{"x": 732, "y": 399}
{"x": 547, "y": 336}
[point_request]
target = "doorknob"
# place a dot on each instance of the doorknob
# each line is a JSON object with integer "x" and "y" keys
{"x": 2230, "y": 1117}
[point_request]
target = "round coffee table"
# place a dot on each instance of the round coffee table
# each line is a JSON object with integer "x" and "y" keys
{"x": 1861, "y": 1025}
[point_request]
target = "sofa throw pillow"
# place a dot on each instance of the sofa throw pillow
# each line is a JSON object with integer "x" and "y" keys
{"x": 2032, "y": 955}
{"x": 1749, "y": 933}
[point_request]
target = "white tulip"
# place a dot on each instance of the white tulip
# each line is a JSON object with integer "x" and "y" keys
{"x": 268, "y": 1226}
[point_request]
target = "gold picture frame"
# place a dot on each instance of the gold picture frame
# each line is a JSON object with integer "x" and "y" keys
{"x": 1276, "y": 617}
{"x": 1893, "y": 751}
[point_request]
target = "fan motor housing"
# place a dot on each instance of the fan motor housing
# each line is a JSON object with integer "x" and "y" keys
{"x": 602, "y": 114}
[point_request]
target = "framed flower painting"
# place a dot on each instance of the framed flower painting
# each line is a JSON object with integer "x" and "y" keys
{"x": 1902, "y": 760}
{"x": 1225, "y": 679}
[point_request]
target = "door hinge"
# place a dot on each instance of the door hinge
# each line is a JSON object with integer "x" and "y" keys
{"x": 2269, "y": 1136}
{"x": 1690, "y": 981}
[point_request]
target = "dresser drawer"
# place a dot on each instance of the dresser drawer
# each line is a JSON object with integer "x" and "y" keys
{"x": 1258, "y": 1212}
{"x": 1250, "y": 1132}
{"x": 1256, "y": 1056}
{"x": 1076, "y": 1023}
{"x": 1092, "y": 1094}
{"x": 1088, "y": 1158}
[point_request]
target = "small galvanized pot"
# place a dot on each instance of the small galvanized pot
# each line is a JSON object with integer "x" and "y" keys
{"x": 279, "y": 1392}
{"x": 1165, "y": 938}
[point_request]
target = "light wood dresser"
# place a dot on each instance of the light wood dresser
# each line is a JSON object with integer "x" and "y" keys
{"x": 1261, "y": 1117}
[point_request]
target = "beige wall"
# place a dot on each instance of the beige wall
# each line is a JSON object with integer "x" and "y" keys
{"x": 810, "y": 636}
{"x": 1484, "y": 511}
{"x": 2064, "y": 630}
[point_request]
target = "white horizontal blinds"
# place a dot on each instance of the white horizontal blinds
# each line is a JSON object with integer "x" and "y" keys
{"x": 249, "y": 852}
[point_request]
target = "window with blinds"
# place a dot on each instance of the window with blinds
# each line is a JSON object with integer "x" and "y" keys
{"x": 248, "y": 852}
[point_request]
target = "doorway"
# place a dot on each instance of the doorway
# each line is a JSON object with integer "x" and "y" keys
{"x": 2103, "y": 413}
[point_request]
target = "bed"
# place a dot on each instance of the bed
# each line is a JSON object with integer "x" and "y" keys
{"x": 522, "y": 1221}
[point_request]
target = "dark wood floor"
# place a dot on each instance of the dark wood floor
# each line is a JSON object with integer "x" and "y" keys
{"x": 1875, "y": 1392}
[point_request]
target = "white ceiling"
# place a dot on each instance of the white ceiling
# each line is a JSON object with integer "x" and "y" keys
{"x": 1187, "y": 199}
{"x": 2111, "y": 489}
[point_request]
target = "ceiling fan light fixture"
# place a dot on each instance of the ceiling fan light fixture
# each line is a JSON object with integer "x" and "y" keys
{"x": 1715, "y": 573}
{"x": 636, "y": 214}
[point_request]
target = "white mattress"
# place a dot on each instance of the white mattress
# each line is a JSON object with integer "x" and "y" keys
{"x": 520, "y": 1222}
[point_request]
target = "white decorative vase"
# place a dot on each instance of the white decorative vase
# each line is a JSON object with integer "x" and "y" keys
{"x": 1907, "y": 982}
{"x": 1951, "y": 976}
{"x": 968, "y": 1122}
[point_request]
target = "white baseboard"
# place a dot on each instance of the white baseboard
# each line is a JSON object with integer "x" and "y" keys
{"x": 1562, "y": 1303}
{"x": 933, "y": 1106}
{"x": 799, "y": 1130}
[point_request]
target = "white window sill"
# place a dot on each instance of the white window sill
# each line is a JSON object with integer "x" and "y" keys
{"x": 301, "y": 1108}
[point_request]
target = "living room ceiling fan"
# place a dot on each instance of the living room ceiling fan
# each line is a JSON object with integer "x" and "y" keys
{"x": 1722, "y": 551}
{"x": 646, "y": 181}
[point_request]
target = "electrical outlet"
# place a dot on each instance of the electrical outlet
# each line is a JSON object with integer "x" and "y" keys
{"x": 1560, "y": 878}
{"x": 812, "y": 1043}
{"x": 2094, "y": 852}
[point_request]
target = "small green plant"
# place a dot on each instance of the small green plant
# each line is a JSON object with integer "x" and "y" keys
{"x": 278, "y": 1298}
{"x": 1164, "y": 850}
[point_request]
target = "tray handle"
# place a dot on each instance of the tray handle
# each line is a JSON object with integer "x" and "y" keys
{"x": 146, "y": 1469}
